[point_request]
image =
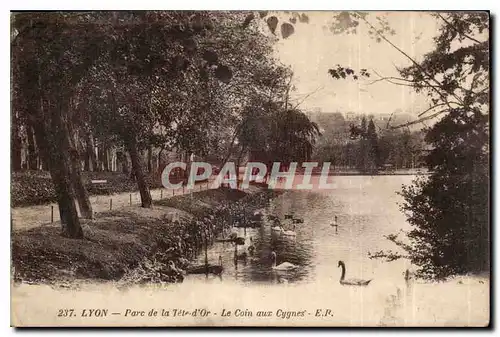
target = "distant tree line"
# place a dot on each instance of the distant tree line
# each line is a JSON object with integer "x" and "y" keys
{"x": 362, "y": 147}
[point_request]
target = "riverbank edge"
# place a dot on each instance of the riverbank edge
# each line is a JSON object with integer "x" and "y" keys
{"x": 36, "y": 189}
{"x": 132, "y": 245}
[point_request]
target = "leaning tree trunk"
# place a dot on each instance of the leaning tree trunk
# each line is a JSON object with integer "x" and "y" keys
{"x": 61, "y": 172}
{"x": 131, "y": 143}
{"x": 76, "y": 178}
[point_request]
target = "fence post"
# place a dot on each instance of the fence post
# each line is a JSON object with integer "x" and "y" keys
{"x": 161, "y": 193}
{"x": 110, "y": 204}
{"x": 52, "y": 213}
{"x": 130, "y": 199}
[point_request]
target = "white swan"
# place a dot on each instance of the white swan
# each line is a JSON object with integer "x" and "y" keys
{"x": 290, "y": 232}
{"x": 285, "y": 266}
{"x": 351, "y": 282}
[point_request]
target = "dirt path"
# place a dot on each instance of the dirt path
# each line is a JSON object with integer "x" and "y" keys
{"x": 24, "y": 218}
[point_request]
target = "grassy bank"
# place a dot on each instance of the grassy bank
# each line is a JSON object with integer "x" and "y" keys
{"x": 36, "y": 188}
{"x": 133, "y": 245}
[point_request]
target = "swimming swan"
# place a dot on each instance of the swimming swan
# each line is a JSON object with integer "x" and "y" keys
{"x": 285, "y": 266}
{"x": 351, "y": 282}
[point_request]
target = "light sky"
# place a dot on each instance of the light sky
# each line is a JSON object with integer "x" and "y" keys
{"x": 313, "y": 49}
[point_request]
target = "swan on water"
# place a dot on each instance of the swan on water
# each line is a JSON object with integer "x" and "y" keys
{"x": 351, "y": 282}
{"x": 285, "y": 266}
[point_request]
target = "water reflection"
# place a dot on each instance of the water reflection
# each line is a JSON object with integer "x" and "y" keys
{"x": 366, "y": 210}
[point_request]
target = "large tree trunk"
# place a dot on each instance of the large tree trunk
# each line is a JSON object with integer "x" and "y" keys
{"x": 32, "y": 153}
{"x": 60, "y": 170}
{"x": 80, "y": 191}
{"x": 78, "y": 186}
{"x": 137, "y": 170}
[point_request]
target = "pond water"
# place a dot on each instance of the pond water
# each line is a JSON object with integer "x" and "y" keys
{"x": 367, "y": 209}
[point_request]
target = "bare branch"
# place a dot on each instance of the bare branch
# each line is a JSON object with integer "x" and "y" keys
{"x": 391, "y": 77}
{"x": 392, "y": 80}
{"x": 307, "y": 96}
{"x": 435, "y": 106}
{"x": 420, "y": 120}
{"x": 439, "y": 85}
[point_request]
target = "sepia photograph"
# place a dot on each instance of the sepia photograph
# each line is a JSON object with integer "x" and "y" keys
{"x": 189, "y": 168}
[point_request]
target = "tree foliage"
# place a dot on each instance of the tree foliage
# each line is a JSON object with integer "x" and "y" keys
{"x": 449, "y": 209}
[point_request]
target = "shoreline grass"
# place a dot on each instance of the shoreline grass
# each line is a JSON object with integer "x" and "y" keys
{"x": 132, "y": 245}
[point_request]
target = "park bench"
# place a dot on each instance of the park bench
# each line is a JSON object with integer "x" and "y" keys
{"x": 101, "y": 186}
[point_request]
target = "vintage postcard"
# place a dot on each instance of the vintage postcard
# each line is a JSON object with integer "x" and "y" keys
{"x": 250, "y": 168}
